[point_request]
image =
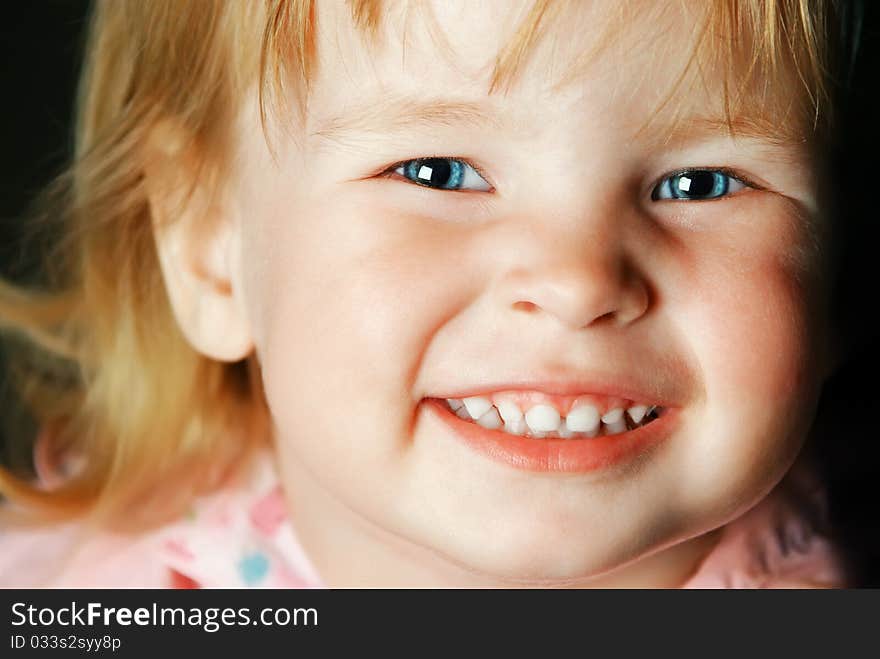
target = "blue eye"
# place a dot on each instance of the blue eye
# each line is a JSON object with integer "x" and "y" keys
{"x": 697, "y": 185}
{"x": 443, "y": 174}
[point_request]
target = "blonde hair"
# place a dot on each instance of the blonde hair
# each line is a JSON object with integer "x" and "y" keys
{"x": 100, "y": 362}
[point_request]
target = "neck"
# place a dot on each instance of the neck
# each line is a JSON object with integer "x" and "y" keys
{"x": 349, "y": 551}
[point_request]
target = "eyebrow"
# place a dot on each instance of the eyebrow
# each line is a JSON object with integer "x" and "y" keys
{"x": 396, "y": 114}
{"x": 694, "y": 128}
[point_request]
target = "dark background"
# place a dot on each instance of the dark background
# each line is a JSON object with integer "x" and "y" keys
{"x": 41, "y": 47}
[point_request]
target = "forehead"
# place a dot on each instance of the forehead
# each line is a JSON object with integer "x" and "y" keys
{"x": 582, "y": 56}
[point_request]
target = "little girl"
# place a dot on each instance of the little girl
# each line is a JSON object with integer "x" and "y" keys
{"x": 387, "y": 293}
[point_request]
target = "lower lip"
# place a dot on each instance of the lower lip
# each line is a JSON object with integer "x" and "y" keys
{"x": 560, "y": 455}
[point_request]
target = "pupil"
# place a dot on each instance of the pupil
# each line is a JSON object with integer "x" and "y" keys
{"x": 435, "y": 171}
{"x": 697, "y": 184}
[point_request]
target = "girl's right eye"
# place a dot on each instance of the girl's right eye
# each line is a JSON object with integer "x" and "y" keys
{"x": 442, "y": 174}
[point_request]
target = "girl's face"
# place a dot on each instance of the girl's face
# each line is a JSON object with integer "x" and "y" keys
{"x": 548, "y": 247}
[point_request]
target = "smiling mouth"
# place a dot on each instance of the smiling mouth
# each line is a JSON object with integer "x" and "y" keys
{"x": 615, "y": 433}
{"x": 578, "y": 419}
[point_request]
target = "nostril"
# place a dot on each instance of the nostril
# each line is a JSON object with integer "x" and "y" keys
{"x": 528, "y": 307}
{"x": 605, "y": 317}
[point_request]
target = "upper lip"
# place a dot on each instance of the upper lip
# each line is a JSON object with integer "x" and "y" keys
{"x": 617, "y": 386}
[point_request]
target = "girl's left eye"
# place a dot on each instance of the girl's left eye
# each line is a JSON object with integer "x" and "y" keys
{"x": 442, "y": 174}
{"x": 697, "y": 185}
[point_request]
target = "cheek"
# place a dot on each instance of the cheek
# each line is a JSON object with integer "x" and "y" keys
{"x": 747, "y": 292}
{"x": 350, "y": 301}
{"x": 750, "y": 321}
{"x": 757, "y": 339}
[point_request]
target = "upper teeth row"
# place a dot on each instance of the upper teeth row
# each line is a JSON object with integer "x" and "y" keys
{"x": 542, "y": 420}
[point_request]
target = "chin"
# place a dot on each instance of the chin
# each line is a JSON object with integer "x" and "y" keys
{"x": 540, "y": 571}
{"x": 535, "y": 557}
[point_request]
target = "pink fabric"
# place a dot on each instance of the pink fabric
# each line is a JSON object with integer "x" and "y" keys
{"x": 782, "y": 542}
{"x": 242, "y": 537}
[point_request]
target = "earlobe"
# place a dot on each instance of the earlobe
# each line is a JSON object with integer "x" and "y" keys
{"x": 197, "y": 243}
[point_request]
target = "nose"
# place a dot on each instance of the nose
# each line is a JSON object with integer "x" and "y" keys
{"x": 580, "y": 280}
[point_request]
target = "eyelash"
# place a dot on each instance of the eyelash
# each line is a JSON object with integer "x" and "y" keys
{"x": 726, "y": 171}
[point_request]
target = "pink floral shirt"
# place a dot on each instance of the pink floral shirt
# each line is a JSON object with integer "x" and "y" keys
{"x": 242, "y": 537}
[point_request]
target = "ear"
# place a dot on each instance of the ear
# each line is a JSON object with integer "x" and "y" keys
{"x": 197, "y": 239}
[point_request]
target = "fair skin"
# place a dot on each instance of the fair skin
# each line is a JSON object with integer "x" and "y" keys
{"x": 364, "y": 294}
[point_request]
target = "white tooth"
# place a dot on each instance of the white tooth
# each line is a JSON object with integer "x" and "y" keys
{"x": 538, "y": 435}
{"x": 563, "y": 430}
{"x": 462, "y": 413}
{"x": 477, "y": 406}
{"x": 615, "y": 427}
{"x": 583, "y": 418}
{"x": 637, "y": 412}
{"x": 543, "y": 418}
{"x": 612, "y": 416}
{"x": 517, "y": 427}
{"x": 454, "y": 403}
{"x": 509, "y": 411}
{"x": 490, "y": 419}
